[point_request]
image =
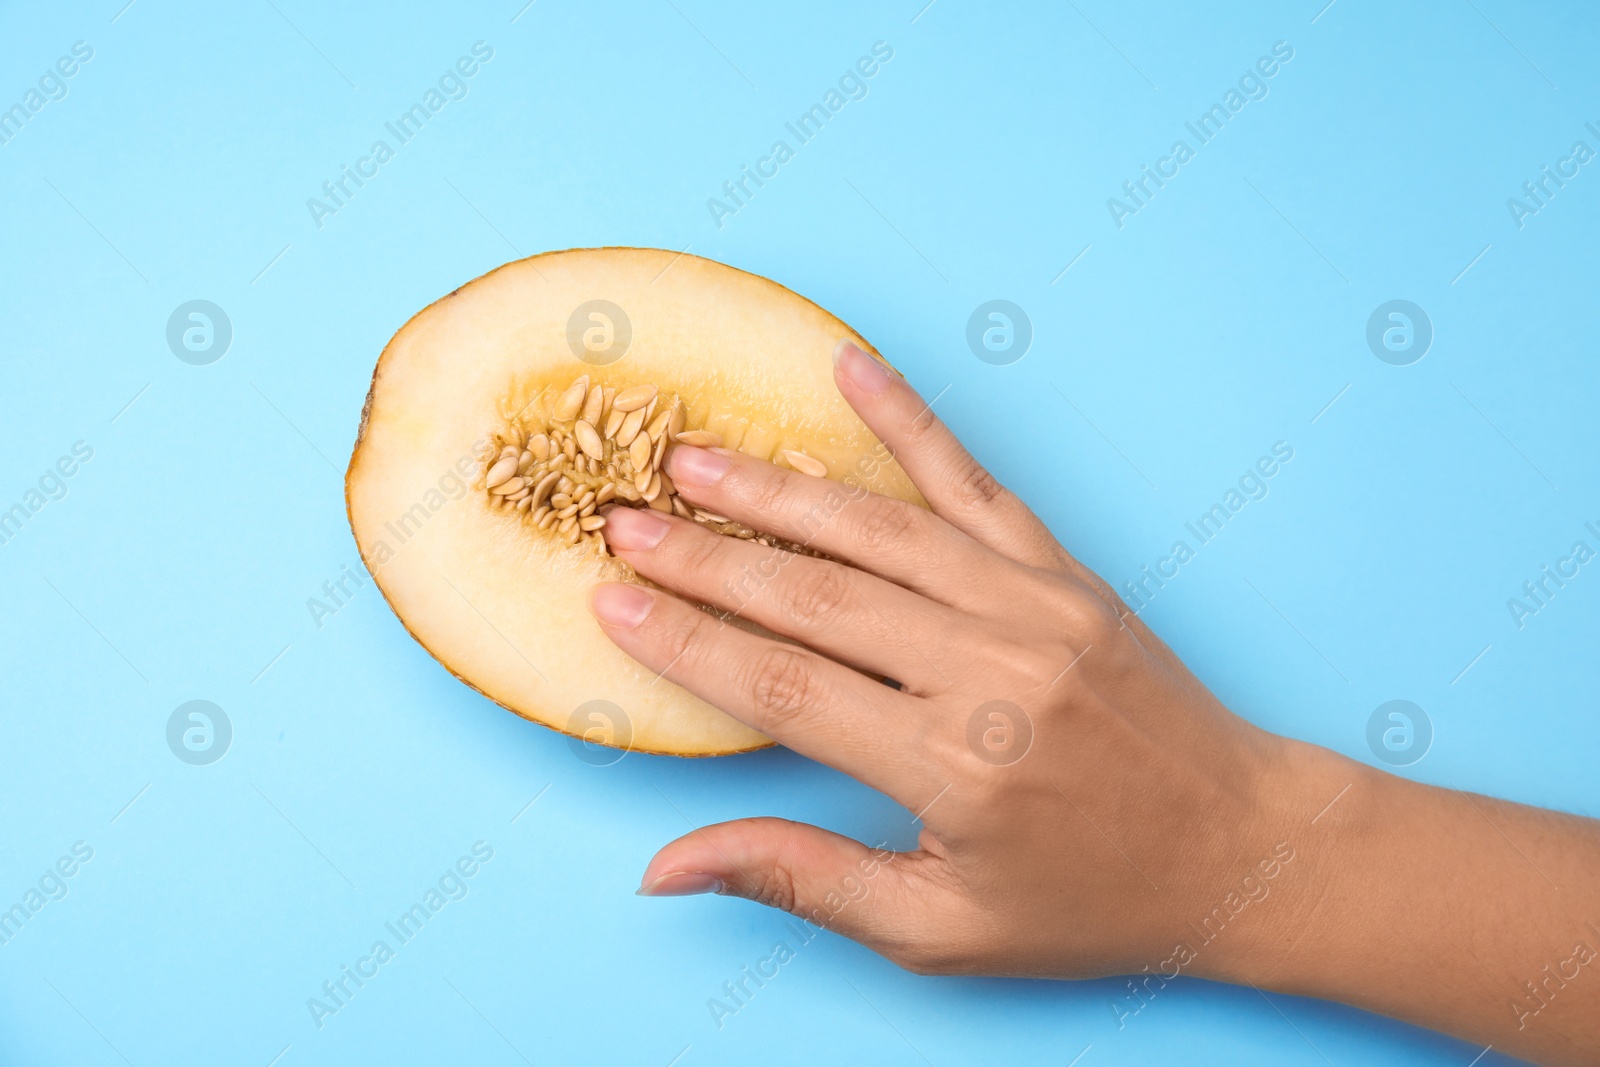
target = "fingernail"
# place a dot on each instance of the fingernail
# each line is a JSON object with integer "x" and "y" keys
{"x": 680, "y": 884}
{"x": 864, "y": 372}
{"x": 621, "y": 604}
{"x": 697, "y": 467}
{"x": 633, "y": 528}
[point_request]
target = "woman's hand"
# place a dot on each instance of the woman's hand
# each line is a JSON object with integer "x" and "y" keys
{"x": 1088, "y": 807}
{"x": 1076, "y": 783}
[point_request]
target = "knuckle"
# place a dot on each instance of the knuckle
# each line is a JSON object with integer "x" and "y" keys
{"x": 763, "y": 491}
{"x": 783, "y": 683}
{"x": 774, "y": 887}
{"x": 697, "y": 553}
{"x": 976, "y": 487}
{"x": 923, "y": 426}
{"x": 985, "y": 787}
{"x": 1097, "y": 585}
{"x": 815, "y": 593}
{"x": 886, "y": 524}
{"x": 686, "y": 640}
{"x": 1091, "y": 619}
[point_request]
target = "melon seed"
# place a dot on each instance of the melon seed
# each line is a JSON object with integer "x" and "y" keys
{"x": 500, "y": 472}
{"x": 634, "y": 397}
{"x": 805, "y": 464}
{"x": 572, "y": 400}
{"x": 700, "y": 438}
{"x": 593, "y": 405}
{"x": 628, "y": 430}
{"x": 589, "y": 440}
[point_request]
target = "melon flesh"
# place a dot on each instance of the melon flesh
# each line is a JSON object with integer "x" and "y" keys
{"x": 504, "y": 605}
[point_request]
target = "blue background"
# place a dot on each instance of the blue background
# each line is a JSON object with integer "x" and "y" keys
{"x": 1229, "y": 313}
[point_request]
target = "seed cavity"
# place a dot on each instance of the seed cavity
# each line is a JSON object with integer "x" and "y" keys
{"x": 572, "y": 451}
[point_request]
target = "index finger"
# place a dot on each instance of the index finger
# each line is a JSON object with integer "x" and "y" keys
{"x": 893, "y": 539}
{"x": 955, "y": 485}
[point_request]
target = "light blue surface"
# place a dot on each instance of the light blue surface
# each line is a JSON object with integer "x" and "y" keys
{"x": 1227, "y": 314}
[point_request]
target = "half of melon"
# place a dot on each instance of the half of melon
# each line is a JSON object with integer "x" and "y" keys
{"x": 473, "y": 491}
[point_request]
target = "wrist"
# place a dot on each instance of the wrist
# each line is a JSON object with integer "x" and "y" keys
{"x": 1311, "y": 832}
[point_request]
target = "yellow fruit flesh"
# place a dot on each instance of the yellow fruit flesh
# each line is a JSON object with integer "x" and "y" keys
{"x": 503, "y": 604}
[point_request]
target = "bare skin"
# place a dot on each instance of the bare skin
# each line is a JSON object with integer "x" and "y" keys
{"x": 1110, "y": 816}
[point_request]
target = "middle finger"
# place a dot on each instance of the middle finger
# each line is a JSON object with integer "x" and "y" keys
{"x": 849, "y": 616}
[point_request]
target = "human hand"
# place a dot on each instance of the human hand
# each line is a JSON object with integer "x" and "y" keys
{"x": 1083, "y": 796}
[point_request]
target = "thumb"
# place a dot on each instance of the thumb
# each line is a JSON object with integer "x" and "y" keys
{"x": 823, "y": 877}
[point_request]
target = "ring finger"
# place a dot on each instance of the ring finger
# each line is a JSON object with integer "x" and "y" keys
{"x": 811, "y": 704}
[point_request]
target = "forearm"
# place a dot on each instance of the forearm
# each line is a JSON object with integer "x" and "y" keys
{"x": 1457, "y": 912}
